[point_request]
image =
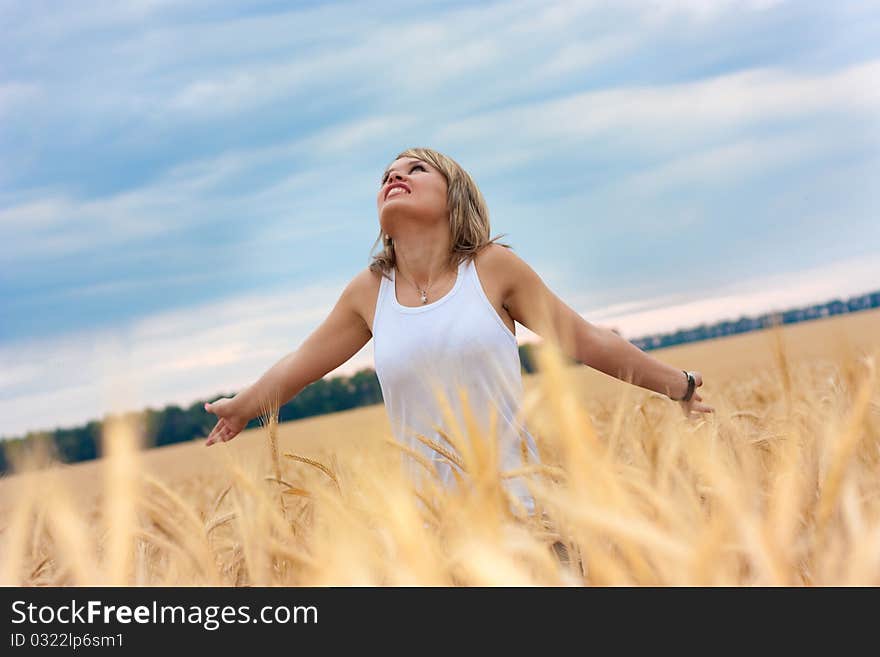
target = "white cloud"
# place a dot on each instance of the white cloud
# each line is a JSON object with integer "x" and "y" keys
{"x": 700, "y": 11}
{"x": 629, "y": 307}
{"x": 60, "y": 225}
{"x": 133, "y": 286}
{"x": 676, "y": 111}
{"x": 729, "y": 163}
{"x": 15, "y": 94}
{"x": 576, "y": 56}
{"x": 239, "y": 90}
{"x": 40, "y": 214}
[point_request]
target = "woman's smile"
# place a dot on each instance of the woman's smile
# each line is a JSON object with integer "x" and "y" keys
{"x": 396, "y": 190}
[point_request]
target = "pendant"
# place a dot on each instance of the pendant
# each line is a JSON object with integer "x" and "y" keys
{"x": 424, "y": 296}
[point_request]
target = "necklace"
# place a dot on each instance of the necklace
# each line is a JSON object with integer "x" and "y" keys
{"x": 423, "y": 291}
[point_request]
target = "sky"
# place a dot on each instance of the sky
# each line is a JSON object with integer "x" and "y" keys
{"x": 187, "y": 186}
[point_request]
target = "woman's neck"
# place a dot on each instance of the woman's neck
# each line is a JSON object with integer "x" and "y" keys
{"x": 422, "y": 257}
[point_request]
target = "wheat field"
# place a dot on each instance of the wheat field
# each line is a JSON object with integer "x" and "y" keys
{"x": 780, "y": 486}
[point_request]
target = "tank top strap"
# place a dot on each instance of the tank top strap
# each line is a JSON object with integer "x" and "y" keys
{"x": 386, "y": 288}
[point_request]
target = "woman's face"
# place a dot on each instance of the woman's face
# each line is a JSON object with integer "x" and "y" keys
{"x": 411, "y": 189}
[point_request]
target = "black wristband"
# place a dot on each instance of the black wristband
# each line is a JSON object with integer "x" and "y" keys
{"x": 692, "y": 384}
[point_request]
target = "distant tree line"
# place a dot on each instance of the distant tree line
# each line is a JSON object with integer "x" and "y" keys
{"x": 174, "y": 424}
{"x": 746, "y": 324}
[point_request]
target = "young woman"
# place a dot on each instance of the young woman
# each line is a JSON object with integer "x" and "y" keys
{"x": 440, "y": 302}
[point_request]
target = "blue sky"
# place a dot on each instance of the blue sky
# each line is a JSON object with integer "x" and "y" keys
{"x": 186, "y": 187}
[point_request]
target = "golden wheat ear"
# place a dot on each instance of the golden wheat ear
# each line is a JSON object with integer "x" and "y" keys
{"x": 315, "y": 464}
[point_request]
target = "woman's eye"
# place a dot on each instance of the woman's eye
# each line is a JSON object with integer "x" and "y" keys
{"x": 414, "y": 167}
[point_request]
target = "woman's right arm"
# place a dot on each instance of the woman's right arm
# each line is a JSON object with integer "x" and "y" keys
{"x": 338, "y": 338}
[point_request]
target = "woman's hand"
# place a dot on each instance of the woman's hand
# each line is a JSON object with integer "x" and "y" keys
{"x": 695, "y": 404}
{"x": 231, "y": 421}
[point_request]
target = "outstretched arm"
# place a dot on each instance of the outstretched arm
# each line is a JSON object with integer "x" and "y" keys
{"x": 337, "y": 339}
{"x": 530, "y": 302}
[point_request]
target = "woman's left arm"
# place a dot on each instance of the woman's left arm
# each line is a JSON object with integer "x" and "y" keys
{"x": 530, "y": 302}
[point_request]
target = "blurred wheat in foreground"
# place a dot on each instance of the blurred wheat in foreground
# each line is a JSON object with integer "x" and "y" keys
{"x": 781, "y": 486}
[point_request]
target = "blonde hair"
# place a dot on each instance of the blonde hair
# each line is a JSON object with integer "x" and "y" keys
{"x": 468, "y": 214}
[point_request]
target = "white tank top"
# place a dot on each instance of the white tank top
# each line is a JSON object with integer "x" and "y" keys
{"x": 457, "y": 341}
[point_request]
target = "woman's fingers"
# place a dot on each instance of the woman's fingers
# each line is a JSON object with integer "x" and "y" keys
{"x": 225, "y": 430}
{"x": 212, "y": 437}
{"x": 217, "y": 433}
{"x": 228, "y": 433}
{"x": 694, "y": 407}
{"x": 702, "y": 408}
